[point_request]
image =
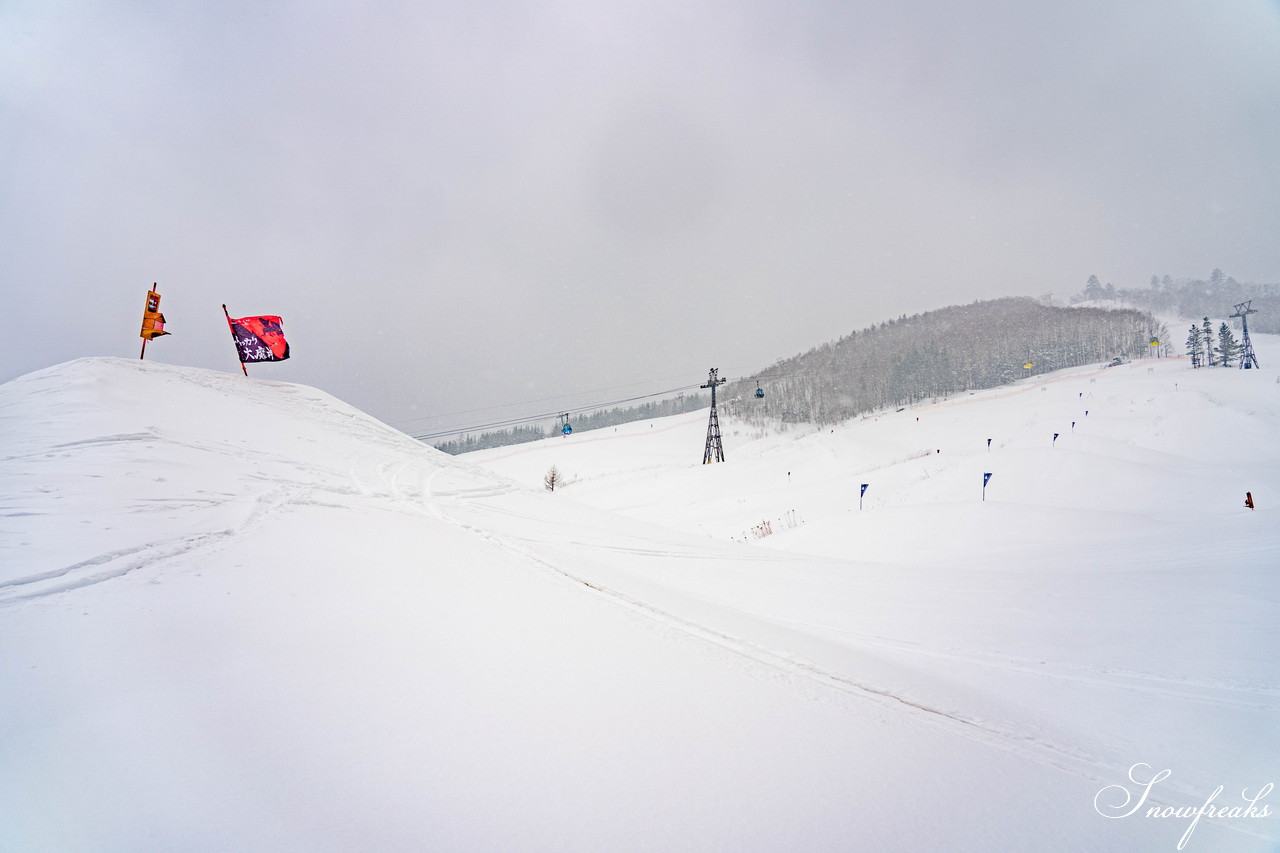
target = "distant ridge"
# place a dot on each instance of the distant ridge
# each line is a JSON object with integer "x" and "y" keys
{"x": 896, "y": 363}
{"x": 1193, "y": 298}
{"x": 931, "y": 355}
{"x": 582, "y": 421}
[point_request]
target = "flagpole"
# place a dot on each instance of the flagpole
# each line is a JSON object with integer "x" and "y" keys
{"x": 233, "y": 338}
{"x": 143, "y": 354}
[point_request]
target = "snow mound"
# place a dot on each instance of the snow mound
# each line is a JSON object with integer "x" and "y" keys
{"x": 101, "y": 448}
{"x": 239, "y": 614}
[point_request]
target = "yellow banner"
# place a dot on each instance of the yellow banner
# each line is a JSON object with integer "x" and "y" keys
{"x": 152, "y": 319}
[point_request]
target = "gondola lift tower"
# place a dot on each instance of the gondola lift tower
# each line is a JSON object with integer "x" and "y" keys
{"x": 715, "y": 448}
{"x": 1248, "y": 360}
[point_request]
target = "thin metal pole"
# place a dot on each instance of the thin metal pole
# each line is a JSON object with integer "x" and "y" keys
{"x": 233, "y": 339}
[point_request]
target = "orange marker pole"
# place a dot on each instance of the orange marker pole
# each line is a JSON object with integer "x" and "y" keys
{"x": 143, "y": 354}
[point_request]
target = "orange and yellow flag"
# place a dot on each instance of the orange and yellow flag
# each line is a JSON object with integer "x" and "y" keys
{"x": 152, "y": 319}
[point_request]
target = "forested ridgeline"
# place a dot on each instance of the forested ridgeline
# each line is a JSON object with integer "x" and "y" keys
{"x": 932, "y": 355}
{"x": 893, "y": 364}
{"x": 1194, "y": 298}
{"x": 586, "y": 421}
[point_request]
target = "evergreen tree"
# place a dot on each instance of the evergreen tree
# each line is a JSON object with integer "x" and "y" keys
{"x": 1228, "y": 349}
{"x": 1207, "y": 332}
{"x": 1195, "y": 346}
{"x": 1093, "y": 288}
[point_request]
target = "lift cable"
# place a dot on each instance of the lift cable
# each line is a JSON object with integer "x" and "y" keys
{"x": 528, "y": 419}
{"x": 401, "y": 422}
{"x": 760, "y": 376}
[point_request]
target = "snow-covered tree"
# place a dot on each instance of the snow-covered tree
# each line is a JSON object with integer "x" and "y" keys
{"x": 1195, "y": 346}
{"x": 1228, "y": 349}
{"x": 1207, "y": 331}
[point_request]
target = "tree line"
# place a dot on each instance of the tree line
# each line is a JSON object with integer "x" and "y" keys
{"x": 1192, "y": 297}
{"x": 938, "y": 353}
{"x": 1207, "y": 351}
{"x": 580, "y": 422}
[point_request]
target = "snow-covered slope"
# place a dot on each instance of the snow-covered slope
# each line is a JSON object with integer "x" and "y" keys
{"x": 237, "y": 614}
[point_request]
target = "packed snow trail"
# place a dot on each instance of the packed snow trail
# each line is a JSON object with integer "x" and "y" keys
{"x": 835, "y": 659}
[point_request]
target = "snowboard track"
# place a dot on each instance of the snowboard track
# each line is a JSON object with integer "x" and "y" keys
{"x": 1023, "y": 745}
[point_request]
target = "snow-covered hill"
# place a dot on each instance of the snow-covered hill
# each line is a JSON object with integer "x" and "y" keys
{"x": 240, "y": 615}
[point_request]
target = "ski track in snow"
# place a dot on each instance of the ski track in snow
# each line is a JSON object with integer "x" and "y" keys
{"x": 1024, "y": 745}
{"x": 104, "y": 567}
{"x": 1143, "y": 682}
{"x": 114, "y": 564}
{"x": 371, "y": 478}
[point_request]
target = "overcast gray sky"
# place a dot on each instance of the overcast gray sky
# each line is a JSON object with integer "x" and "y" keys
{"x": 458, "y": 205}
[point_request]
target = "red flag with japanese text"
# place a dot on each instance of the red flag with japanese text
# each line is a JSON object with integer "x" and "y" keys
{"x": 259, "y": 339}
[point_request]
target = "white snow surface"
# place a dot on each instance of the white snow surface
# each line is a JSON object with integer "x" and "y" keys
{"x": 238, "y": 614}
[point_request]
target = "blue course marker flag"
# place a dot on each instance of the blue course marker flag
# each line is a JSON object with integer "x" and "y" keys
{"x": 985, "y": 479}
{"x": 1055, "y": 438}
{"x": 861, "y": 493}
